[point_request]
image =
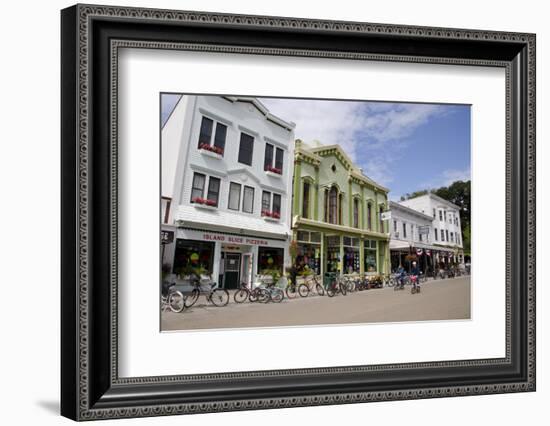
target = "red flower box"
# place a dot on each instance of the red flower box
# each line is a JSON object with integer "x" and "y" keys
{"x": 274, "y": 170}
{"x": 214, "y": 149}
{"x": 274, "y": 215}
{"x": 205, "y": 201}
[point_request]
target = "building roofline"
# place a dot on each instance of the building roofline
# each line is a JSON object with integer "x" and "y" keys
{"x": 263, "y": 109}
{"x": 394, "y": 204}
{"x": 354, "y": 170}
{"x": 436, "y": 197}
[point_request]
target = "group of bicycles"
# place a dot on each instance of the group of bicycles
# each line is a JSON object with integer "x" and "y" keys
{"x": 176, "y": 300}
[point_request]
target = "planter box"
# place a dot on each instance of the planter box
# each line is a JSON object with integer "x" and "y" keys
{"x": 273, "y": 174}
{"x": 210, "y": 154}
{"x": 271, "y": 219}
{"x": 204, "y": 206}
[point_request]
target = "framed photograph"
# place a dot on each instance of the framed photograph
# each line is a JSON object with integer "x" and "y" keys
{"x": 263, "y": 212}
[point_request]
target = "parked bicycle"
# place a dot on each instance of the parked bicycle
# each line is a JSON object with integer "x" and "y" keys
{"x": 269, "y": 287}
{"x": 171, "y": 299}
{"x": 310, "y": 285}
{"x": 244, "y": 293}
{"x": 337, "y": 285}
{"x": 215, "y": 295}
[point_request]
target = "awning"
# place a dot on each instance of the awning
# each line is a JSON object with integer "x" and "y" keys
{"x": 400, "y": 245}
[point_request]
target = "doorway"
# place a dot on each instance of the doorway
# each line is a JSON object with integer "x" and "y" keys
{"x": 232, "y": 270}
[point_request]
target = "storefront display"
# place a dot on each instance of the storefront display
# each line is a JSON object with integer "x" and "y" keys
{"x": 309, "y": 251}
{"x": 270, "y": 259}
{"x": 370, "y": 256}
{"x": 352, "y": 263}
{"x": 333, "y": 254}
{"x": 193, "y": 257}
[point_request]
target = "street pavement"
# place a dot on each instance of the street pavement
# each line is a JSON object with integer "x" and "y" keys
{"x": 447, "y": 299}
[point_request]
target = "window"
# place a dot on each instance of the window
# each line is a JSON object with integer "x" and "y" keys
{"x": 268, "y": 159}
{"x": 333, "y": 205}
{"x": 369, "y": 216}
{"x": 234, "y": 196}
{"x": 326, "y": 205}
{"x": 370, "y": 256}
{"x": 245, "y": 149}
{"x": 434, "y": 213}
{"x": 197, "y": 190}
{"x": 268, "y": 209}
{"x": 206, "y": 131}
{"x": 270, "y": 259}
{"x": 452, "y": 238}
{"x": 440, "y": 215}
{"x": 381, "y": 221}
{"x": 445, "y": 215}
{"x": 279, "y": 159}
{"x": 276, "y": 204}
{"x": 435, "y": 232}
{"x": 395, "y": 226}
{"x": 213, "y": 190}
{"x": 266, "y": 201}
{"x": 355, "y": 213}
{"x": 404, "y": 230}
{"x": 248, "y": 199}
{"x": 205, "y": 136}
{"x": 305, "y": 201}
{"x": 340, "y": 215}
{"x": 447, "y": 235}
{"x": 190, "y": 254}
{"x": 442, "y": 235}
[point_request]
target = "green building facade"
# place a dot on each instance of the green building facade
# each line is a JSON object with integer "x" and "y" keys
{"x": 337, "y": 214}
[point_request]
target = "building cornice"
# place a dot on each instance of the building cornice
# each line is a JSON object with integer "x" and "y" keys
{"x": 327, "y": 227}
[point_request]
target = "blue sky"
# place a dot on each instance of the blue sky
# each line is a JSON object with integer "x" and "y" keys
{"x": 403, "y": 146}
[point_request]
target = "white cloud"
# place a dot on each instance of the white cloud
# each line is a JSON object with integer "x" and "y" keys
{"x": 447, "y": 177}
{"x": 371, "y": 133}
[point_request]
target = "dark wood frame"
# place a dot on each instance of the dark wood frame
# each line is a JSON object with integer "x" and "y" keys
{"x": 90, "y": 386}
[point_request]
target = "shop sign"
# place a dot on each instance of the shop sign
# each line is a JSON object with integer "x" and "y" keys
{"x": 233, "y": 239}
{"x": 424, "y": 230}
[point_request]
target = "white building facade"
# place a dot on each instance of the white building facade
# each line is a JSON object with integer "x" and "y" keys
{"x": 226, "y": 188}
{"x": 446, "y": 228}
{"x": 410, "y": 237}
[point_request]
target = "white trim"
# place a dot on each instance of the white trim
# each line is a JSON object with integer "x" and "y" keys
{"x": 207, "y": 171}
{"x": 275, "y": 142}
{"x": 215, "y": 117}
{"x": 248, "y": 131}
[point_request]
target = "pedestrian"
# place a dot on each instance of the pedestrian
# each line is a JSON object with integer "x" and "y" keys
{"x": 416, "y": 272}
{"x": 401, "y": 275}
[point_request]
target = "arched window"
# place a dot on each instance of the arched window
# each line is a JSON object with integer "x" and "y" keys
{"x": 355, "y": 213}
{"x": 340, "y": 209}
{"x": 381, "y": 221}
{"x": 333, "y": 205}
{"x": 369, "y": 216}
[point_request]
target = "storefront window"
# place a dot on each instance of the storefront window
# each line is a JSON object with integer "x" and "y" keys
{"x": 333, "y": 254}
{"x": 309, "y": 252}
{"x": 351, "y": 255}
{"x": 370, "y": 256}
{"x": 193, "y": 257}
{"x": 270, "y": 259}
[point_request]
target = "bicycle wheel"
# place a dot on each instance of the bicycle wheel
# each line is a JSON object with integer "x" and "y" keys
{"x": 263, "y": 295}
{"x": 192, "y": 298}
{"x": 253, "y": 295}
{"x": 303, "y": 290}
{"x": 277, "y": 295}
{"x": 219, "y": 297}
{"x": 413, "y": 289}
{"x": 351, "y": 286}
{"x": 331, "y": 291}
{"x": 343, "y": 289}
{"x": 319, "y": 289}
{"x": 176, "y": 301}
{"x": 241, "y": 295}
{"x": 291, "y": 292}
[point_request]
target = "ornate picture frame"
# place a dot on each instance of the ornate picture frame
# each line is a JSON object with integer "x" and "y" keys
{"x": 90, "y": 385}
